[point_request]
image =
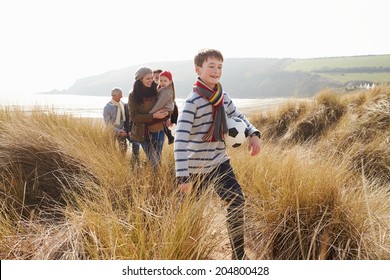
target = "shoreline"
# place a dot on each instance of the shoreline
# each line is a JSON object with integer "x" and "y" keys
{"x": 94, "y": 111}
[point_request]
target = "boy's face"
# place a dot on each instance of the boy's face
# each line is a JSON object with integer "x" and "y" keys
{"x": 210, "y": 72}
{"x": 156, "y": 77}
{"x": 164, "y": 82}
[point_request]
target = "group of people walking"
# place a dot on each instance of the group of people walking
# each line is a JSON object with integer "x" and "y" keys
{"x": 146, "y": 118}
{"x": 200, "y": 153}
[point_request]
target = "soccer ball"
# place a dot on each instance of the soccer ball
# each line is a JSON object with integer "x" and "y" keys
{"x": 237, "y": 132}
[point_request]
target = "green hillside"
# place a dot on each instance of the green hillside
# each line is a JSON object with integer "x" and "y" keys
{"x": 373, "y": 68}
{"x": 308, "y": 65}
{"x": 379, "y": 77}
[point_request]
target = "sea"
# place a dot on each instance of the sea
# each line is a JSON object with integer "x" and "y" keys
{"x": 92, "y": 106}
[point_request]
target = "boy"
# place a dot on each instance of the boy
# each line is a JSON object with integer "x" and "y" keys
{"x": 200, "y": 152}
{"x": 156, "y": 76}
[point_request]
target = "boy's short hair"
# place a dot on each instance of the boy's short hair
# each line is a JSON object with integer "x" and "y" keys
{"x": 157, "y": 71}
{"x": 205, "y": 54}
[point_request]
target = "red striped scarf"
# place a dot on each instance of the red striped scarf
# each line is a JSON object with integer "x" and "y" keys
{"x": 218, "y": 128}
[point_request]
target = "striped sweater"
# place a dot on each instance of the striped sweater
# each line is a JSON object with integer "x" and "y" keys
{"x": 192, "y": 154}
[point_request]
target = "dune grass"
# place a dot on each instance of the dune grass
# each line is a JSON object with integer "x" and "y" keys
{"x": 67, "y": 193}
{"x": 318, "y": 190}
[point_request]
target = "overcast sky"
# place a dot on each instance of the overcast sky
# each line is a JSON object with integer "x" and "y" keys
{"x": 48, "y": 44}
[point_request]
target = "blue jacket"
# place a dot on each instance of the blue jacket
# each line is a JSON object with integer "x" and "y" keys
{"x": 109, "y": 115}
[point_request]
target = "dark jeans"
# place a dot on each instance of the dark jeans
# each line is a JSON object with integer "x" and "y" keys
{"x": 153, "y": 147}
{"x": 122, "y": 144}
{"x": 228, "y": 189}
{"x": 135, "y": 153}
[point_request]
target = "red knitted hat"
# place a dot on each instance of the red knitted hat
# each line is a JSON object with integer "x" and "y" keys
{"x": 166, "y": 74}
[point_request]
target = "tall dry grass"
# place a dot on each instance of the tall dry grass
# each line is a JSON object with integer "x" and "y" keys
{"x": 301, "y": 207}
{"x": 318, "y": 190}
{"x": 67, "y": 193}
{"x": 325, "y": 180}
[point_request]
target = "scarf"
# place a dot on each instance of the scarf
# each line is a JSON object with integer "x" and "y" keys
{"x": 215, "y": 97}
{"x": 140, "y": 91}
{"x": 120, "y": 112}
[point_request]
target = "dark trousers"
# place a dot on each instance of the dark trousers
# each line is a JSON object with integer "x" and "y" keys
{"x": 228, "y": 189}
{"x": 122, "y": 144}
{"x": 134, "y": 160}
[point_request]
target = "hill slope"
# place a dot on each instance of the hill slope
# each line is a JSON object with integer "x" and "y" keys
{"x": 253, "y": 77}
{"x": 369, "y": 68}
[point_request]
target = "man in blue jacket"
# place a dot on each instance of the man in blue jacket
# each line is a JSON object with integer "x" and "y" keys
{"x": 116, "y": 115}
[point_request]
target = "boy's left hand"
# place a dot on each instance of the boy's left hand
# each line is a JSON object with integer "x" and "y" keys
{"x": 254, "y": 145}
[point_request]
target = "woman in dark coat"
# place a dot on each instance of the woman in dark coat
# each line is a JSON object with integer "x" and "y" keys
{"x": 147, "y": 128}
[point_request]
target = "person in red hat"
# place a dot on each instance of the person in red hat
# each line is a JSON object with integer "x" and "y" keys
{"x": 165, "y": 100}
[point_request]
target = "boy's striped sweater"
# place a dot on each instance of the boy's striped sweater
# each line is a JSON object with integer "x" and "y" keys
{"x": 193, "y": 155}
